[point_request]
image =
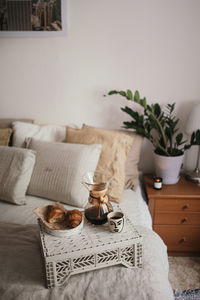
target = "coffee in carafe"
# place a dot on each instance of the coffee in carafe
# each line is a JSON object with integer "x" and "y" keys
{"x": 98, "y": 205}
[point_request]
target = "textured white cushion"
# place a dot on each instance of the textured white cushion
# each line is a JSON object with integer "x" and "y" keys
{"x": 59, "y": 169}
{"x": 51, "y": 133}
{"x": 16, "y": 166}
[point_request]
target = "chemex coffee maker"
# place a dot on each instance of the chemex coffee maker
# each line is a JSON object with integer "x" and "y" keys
{"x": 98, "y": 205}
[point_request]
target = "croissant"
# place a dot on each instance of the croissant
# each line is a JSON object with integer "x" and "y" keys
{"x": 55, "y": 214}
{"x": 73, "y": 218}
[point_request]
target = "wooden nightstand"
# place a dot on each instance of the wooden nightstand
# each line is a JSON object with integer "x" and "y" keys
{"x": 175, "y": 211}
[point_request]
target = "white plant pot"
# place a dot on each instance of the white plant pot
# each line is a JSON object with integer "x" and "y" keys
{"x": 168, "y": 167}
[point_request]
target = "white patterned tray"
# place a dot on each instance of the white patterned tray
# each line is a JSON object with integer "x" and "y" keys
{"x": 93, "y": 248}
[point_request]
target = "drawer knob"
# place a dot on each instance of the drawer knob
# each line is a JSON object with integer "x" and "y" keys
{"x": 184, "y": 220}
{"x": 182, "y": 240}
{"x": 185, "y": 206}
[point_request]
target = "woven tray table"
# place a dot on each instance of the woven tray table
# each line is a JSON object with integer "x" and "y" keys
{"x": 93, "y": 248}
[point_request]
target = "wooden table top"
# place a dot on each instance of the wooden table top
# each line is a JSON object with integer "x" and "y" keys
{"x": 183, "y": 188}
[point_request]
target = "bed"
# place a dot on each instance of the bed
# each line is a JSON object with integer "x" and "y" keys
{"x": 22, "y": 275}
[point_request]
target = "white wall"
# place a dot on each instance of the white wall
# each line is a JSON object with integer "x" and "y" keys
{"x": 149, "y": 45}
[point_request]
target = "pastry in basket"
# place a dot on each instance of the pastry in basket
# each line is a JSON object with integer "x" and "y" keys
{"x": 73, "y": 218}
{"x": 55, "y": 214}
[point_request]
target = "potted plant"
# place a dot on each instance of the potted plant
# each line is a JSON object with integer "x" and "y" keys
{"x": 159, "y": 126}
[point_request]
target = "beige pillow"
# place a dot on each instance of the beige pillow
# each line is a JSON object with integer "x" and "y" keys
{"x": 5, "y": 136}
{"x": 16, "y": 166}
{"x": 59, "y": 170}
{"x": 115, "y": 148}
{"x": 133, "y": 158}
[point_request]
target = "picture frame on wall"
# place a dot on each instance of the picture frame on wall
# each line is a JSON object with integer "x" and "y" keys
{"x": 31, "y": 18}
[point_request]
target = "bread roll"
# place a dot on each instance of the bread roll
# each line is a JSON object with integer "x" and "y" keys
{"x": 55, "y": 214}
{"x": 73, "y": 218}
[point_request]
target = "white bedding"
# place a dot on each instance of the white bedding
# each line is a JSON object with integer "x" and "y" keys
{"x": 22, "y": 271}
{"x": 132, "y": 203}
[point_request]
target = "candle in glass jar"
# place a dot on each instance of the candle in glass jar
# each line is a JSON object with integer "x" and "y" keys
{"x": 157, "y": 184}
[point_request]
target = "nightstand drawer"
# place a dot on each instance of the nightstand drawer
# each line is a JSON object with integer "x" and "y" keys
{"x": 179, "y": 238}
{"x": 184, "y": 218}
{"x": 177, "y": 205}
{"x": 175, "y": 212}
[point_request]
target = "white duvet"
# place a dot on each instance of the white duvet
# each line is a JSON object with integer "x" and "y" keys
{"x": 132, "y": 204}
{"x": 22, "y": 271}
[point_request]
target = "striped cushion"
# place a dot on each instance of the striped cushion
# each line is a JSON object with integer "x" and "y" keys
{"x": 59, "y": 169}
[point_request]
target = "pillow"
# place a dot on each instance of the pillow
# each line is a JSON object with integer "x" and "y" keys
{"x": 59, "y": 169}
{"x": 16, "y": 166}
{"x": 115, "y": 148}
{"x": 22, "y": 131}
{"x": 7, "y": 123}
{"x": 133, "y": 158}
{"x": 5, "y": 136}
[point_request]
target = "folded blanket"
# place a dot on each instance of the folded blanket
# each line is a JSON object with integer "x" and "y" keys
{"x": 22, "y": 273}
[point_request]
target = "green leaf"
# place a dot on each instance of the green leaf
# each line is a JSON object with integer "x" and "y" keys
{"x": 153, "y": 122}
{"x": 157, "y": 110}
{"x": 179, "y": 138}
{"x": 141, "y": 131}
{"x": 131, "y": 125}
{"x": 129, "y": 95}
{"x": 195, "y": 138}
{"x": 183, "y": 142}
{"x": 122, "y": 93}
{"x": 176, "y": 122}
{"x": 171, "y": 107}
{"x": 129, "y": 111}
{"x": 168, "y": 132}
{"x": 141, "y": 119}
{"x": 113, "y": 92}
{"x": 137, "y": 97}
{"x": 186, "y": 147}
{"x": 192, "y": 139}
{"x": 198, "y": 136}
{"x": 143, "y": 102}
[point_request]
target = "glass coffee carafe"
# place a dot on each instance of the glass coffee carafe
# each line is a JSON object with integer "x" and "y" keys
{"x": 98, "y": 205}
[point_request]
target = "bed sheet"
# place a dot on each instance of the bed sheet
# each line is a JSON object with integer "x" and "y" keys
{"x": 132, "y": 203}
{"x": 22, "y": 271}
{"x": 22, "y": 275}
